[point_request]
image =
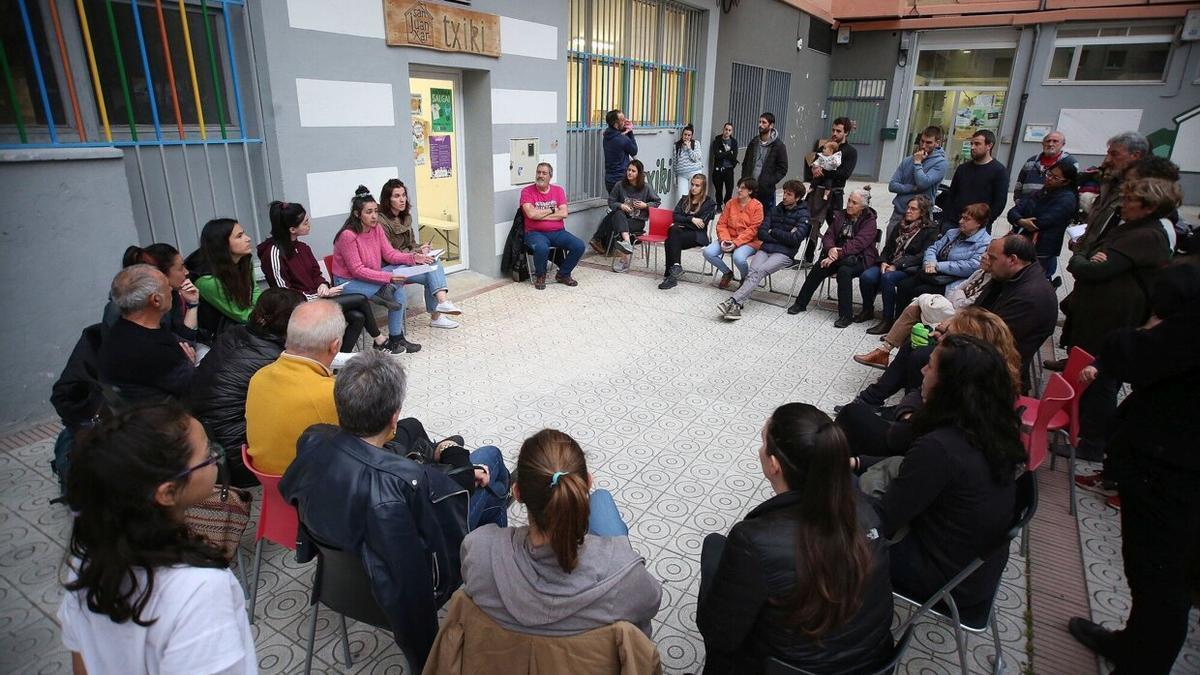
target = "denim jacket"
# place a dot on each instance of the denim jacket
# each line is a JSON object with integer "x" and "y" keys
{"x": 964, "y": 254}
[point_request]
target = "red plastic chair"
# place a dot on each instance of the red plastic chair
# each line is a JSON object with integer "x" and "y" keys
{"x": 277, "y": 521}
{"x": 329, "y": 267}
{"x": 1036, "y": 435}
{"x": 656, "y": 233}
{"x": 1077, "y": 360}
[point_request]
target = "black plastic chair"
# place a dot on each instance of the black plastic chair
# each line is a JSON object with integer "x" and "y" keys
{"x": 1026, "y": 506}
{"x": 778, "y": 667}
{"x": 341, "y": 584}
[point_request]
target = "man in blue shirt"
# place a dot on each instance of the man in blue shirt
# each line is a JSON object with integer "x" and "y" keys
{"x": 619, "y": 147}
{"x": 918, "y": 174}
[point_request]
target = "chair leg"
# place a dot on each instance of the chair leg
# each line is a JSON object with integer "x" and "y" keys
{"x": 312, "y": 638}
{"x": 345, "y": 640}
{"x": 1071, "y": 478}
{"x": 258, "y": 546}
{"x": 998, "y": 664}
{"x": 1025, "y": 541}
{"x": 959, "y": 638}
{"x": 241, "y": 565}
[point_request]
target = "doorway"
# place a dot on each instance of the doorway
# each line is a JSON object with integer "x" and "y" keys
{"x": 435, "y": 108}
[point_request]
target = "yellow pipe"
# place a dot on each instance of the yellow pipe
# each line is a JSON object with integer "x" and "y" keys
{"x": 87, "y": 43}
{"x": 187, "y": 42}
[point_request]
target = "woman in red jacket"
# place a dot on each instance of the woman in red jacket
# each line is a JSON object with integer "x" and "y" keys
{"x": 288, "y": 262}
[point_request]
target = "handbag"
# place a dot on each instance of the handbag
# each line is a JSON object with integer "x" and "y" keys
{"x": 935, "y": 279}
{"x": 222, "y": 518}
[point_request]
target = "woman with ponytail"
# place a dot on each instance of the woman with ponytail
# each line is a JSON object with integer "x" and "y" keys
{"x": 572, "y": 568}
{"x": 804, "y": 578}
{"x": 288, "y": 262}
{"x": 181, "y": 320}
{"x": 360, "y": 250}
{"x": 145, "y": 594}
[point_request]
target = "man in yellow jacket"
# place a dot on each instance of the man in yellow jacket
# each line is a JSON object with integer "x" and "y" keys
{"x": 296, "y": 391}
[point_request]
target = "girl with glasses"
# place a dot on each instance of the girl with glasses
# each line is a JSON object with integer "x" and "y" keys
{"x": 145, "y": 594}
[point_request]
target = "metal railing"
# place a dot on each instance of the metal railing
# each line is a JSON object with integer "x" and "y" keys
{"x": 157, "y": 88}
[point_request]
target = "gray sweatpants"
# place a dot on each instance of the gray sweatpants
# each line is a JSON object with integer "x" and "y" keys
{"x": 761, "y": 264}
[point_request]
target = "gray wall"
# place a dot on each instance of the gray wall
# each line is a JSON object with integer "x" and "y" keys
{"x": 285, "y": 53}
{"x": 65, "y": 223}
{"x": 870, "y": 56}
{"x": 764, "y": 33}
{"x": 1159, "y": 102}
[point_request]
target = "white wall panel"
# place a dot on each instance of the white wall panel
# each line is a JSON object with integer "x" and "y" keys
{"x": 348, "y": 17}
{"x": 526, "y": 38}
{"x": 524, "y": 106}
{"x": 329, "y": 192}
{"x": 339, "y": 103}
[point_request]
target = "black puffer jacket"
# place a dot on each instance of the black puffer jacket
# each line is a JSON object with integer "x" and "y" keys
{"x": 784, "y": 229}
{"x": 742, "y": 628}
{"x": 219, "y": 386}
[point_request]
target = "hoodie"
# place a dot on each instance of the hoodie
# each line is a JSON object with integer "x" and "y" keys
{"x": 766, "y": 162}
{"x": 911, "y": 180}
{"x": 618, "y": 148}
{"x": 524, "y": 590}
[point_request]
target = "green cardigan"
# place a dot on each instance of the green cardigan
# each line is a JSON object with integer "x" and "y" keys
{"x": 213, "y": 292}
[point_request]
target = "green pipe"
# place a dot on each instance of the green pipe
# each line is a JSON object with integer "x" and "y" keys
{"x": 12, "y": 92}
{"x": 212, "y": 66}
{"x": 112, "y": 29}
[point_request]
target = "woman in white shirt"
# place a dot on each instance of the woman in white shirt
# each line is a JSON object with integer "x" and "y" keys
{"x": 145, "y": 594}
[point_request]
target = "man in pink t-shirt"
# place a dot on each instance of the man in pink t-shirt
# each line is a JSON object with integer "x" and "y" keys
{"x": 545, "y": 208}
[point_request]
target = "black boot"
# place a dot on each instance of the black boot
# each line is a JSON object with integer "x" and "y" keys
{"x": 866, "y": 314}
{"x": 881, "y": 328}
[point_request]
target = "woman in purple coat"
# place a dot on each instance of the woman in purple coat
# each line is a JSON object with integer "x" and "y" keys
{"x": 847, "y": 248}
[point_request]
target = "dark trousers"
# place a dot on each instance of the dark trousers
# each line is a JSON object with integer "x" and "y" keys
{"x": 1160, "y": 512}
{"x": 845, "y": 273}
{"x": 608, "y": 186}
{"x": 359, "y": 315}
{"x": 615, "y": 223}
{"x": 710, "y": 559}
{"x": 679, "y": 238}
{"x": 722, "y": 185}
{"x": 910, "y": 287}
{"x": 904, "y": 372}
{"x": 1096, "y": 409}
{"x": 767, "y": 197}
{"x": 870, "y": 434}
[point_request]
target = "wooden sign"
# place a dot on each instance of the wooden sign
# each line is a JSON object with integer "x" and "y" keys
{"x": 416, "y": 23}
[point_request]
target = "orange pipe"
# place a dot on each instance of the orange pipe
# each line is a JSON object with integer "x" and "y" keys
{"x": 62, "y": 50}
{"x": 162, "y": 32}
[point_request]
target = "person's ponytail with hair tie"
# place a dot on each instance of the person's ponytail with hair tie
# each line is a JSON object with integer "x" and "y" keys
{"x": 552, "y": 479}
{"x": 556, "y": 476}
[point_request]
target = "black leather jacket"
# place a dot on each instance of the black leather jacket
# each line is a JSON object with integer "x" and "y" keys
{"x": 218, "y": 397}
{"x": 742, "y": 627}
{"x": 405, "y": 521}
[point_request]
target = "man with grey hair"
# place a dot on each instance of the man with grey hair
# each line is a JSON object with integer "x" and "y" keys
{"x": 139, "y": 359}
{"x": 402, "y": 513}
{"x": 296, "y": 391}
{"x": 1124, "y": 150}
{"x": 1032, "y": 176}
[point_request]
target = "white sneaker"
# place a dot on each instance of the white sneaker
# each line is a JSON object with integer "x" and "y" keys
{"x": 447, "y": 307}
{"x": 443, "y": 322}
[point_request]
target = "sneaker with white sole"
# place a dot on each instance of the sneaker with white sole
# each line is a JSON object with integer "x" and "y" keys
{"x": 447, "y": 307}
{"x": 625, "y": 246}
{"x": 620, "y": 265}
{"x": 443, "y": 322}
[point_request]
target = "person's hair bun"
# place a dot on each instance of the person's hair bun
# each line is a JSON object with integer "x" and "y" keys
{"x": 362, "y": 191}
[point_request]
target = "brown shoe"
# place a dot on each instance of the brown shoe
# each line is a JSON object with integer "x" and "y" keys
{"x": 876, "y": 358}
{"x": 1055, "y": 365}
{"x": 566, "y": 280}
{"x": 725, "y": 279}
{"x": 539, "y": 282}
{"x": 597, "y": 247}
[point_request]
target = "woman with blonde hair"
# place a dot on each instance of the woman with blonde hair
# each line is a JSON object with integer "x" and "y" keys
{"x": 689, "y": 228}
{"x": 572, "y": 568}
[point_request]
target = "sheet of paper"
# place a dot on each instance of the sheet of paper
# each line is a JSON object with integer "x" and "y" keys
{"x": 1076, "y": 231}
{"x": 410, "y": 270}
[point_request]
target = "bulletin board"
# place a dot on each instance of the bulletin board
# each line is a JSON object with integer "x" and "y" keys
{"x": 1088, "y": 129}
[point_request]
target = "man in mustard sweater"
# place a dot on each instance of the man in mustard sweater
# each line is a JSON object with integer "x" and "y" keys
{"x": 296, "y": 391}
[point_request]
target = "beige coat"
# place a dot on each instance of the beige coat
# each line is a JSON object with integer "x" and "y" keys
{"x": 470, "y": 642}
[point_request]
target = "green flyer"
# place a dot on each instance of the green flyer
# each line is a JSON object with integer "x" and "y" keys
{"x": 441, "y": 110}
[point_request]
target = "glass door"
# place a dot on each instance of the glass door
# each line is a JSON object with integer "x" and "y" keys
{"x": 960, "y": 113}
{"x": 435, "y": 109}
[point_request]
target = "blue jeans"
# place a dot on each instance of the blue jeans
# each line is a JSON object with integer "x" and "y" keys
{"x": 432, "y": 282}
{"x": 872, "y": 280}
{"x": 741, "y": 254}
{"x": 369, "y": 289}
{"x": 540, "y": 243}
{"x": 488, "y": 503}
{"x": 604, "y": 520}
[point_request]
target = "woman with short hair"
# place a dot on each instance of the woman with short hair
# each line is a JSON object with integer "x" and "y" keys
{"x": 804, "y": 578}
{"x": 950, "y": 260}
{"x": 901, "y": 257}
{"x": 145, "y": 594}
{"x": 288, "y": 262}
{"x": 847, "y": 249}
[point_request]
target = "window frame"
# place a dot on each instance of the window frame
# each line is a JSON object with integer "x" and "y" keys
{"x": 1078, "y": 43}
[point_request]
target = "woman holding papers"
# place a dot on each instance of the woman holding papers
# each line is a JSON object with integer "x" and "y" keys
{"x": 360, "y": 250}
{"x": 396, "y": 222}
{"x": 288, "y": 262}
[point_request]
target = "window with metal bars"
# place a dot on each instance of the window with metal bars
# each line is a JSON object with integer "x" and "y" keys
{"x": 861, "y": 101}
{"x": 639, "y": 56}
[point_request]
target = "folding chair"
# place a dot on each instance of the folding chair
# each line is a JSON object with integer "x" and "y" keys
{"x": 1026, "y": 506}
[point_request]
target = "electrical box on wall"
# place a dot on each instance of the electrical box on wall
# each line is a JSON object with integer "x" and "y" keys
{"x": 523, "y": 158}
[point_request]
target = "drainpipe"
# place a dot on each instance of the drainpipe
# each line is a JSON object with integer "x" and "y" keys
{"x": 1017, "y": 134}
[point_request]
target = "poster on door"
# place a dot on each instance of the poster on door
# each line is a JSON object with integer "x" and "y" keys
{"x": 420, "y": 133}
{"x": 441, "y": 110}
{"x": 440, "y": 157}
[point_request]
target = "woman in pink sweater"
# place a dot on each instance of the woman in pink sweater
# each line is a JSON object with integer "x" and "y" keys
{"x": 360, "y": 250}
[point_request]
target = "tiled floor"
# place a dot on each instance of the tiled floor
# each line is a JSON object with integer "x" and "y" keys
{"x": 666, "y": 399}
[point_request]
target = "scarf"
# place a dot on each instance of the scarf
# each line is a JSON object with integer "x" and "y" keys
{"x": 904, "y": 236}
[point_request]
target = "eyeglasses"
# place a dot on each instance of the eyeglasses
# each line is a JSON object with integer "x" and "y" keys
{"x": 216, "y": 453}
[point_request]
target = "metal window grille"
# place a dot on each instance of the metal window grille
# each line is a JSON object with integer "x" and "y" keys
{"x": 637, "y": 55}
{"x": 862, "y": 102}
{"x": 754, "y": 90}
{"x": 161, "y": 80}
